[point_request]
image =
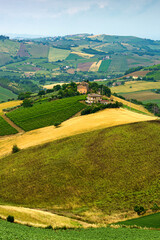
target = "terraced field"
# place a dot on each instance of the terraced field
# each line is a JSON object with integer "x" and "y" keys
{"x": 47, "y": 113}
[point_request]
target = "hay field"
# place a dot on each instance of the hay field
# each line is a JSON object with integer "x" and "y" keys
{"x": 56, "y": 54}
{"x": 50, "y": 86}
{"x": 95, "y": 66}
{"x": 132, "y": 105}
{"x": 142, "y": 95}
{"x": 85, "y": 55}
{"x": 9, "y": 105}
{"x": 135, "y": 86}
{"x": 38, "y": 218}
{"x": 73, "y": 126}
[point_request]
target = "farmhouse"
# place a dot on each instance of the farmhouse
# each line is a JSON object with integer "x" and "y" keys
{"x": 83, "y": 87}
{"x": 93, "y": 98}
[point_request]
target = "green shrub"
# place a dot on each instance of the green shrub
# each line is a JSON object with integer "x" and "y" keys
{"x": 139, "y": 210}
{"x": 49, "y": 227}
{"x": 10, "y": 219}
{"x": 15, "y": 149}
{"x": 155, "y": 207}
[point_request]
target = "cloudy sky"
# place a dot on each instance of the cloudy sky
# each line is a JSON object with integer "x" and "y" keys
{"x": 60, "y": 17}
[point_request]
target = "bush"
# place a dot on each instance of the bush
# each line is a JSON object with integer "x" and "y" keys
{"x": 155, "y": 207}
{"x": 10, "y": 219}
{"x": 139, "y": 210}
{"x": 49, "y": 227}
{"x": 57, "y": 124}
{"x": 15, "y": 149}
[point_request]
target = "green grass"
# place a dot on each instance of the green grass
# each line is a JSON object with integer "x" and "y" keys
{"x": 156, "y": 101}
{"x": 104, "y": 65}
{"x": 10, "y": 231}
{"x": 73, "y": 57}
{"x": 46, "y": 113}
{"x": 118, "y": 64}
{"x": 134, "y": 110}
{"x": 154, "y": 74}
{"x": 6, "y": 94}
{"x": 9, "y": 46}
{"x": 150, "y": 221}
{"x": 56, "y": 54}
{"x": 37, "y": 50}
{"x": 5, "y": 128}
{"x": 111, "y": 169}
{"x": 4, "y": 58}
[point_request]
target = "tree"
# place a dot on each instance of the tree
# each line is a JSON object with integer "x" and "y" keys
{"x": 27, "y": 103}
{"x": 139, "y": 210}
{"x": 15, "y": 149}
{"x": 10, "y": 219}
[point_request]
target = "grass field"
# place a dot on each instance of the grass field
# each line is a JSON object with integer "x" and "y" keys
{"x": 135, "y": 86}
{"x": 56, "y": 54}
{"x": 5, "y": 128}
{"x": 73, "y": 57}
{"x": 38, "y": 50}
{"x": 105, "y": 65}
{"x": 47, "y": 113}
{"x": 118, "y": 64}
{"x": 38, "y": 218}
{"x": 150, "y": 221}
{"x": 6, "y": 94}
{"x": 4, "y": 58}
{"x": 103, "y": 170}
{"x": 156, "y": 101}
{"x": 10, "y": 231}
{"x": 142, "y": 95}
{"x": 8, "y": 46}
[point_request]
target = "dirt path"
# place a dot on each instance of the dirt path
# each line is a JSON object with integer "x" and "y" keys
{"x": 12, "y": 124}
{"x": 73, "y": 126}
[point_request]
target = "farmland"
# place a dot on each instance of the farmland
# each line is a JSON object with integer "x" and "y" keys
{"x": 56, "y": 54}
{"x": 9, "y": 105}
{"x": 6, "y": 94}
{"x": 104, "y": 65}
{"x": 10, "y": 230}
{"x": 38, "y": 50}
{"x": 142, "y": 95}
{"x": 5, "y": 128}
{"x": 84, "y": 66}
{"x": 47, "y": 113}
{"x": 150, "y": 221}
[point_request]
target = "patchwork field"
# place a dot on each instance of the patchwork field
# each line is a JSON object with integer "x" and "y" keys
{"x": 84, "y": 66}
{"x": 99, "y": 120}
{"x": 5, "y": 128}
{"x": 142, "y": 95}
{"x": 105, "y": 65}
{"x": 56, "y": 54}
{"x": 95, "y": 66}
{"x": 26, "y": 233}
{"x": 47, "y": 113}
{"x": 135, "y": 86}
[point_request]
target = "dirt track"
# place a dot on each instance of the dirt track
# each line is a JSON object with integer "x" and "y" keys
{"x": 81, "y": 124}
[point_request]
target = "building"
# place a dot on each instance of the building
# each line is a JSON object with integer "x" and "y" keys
{"x": 94, "y": 98}
{"x": 83, "y": 87}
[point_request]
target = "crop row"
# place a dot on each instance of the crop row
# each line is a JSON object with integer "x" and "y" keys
{"x": 5, "y": 128}
{"x": 47, "y": 113}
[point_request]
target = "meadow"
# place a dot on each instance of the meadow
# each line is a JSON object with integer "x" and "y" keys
{"x": 56, "y": 54}
{"x": 150, "y": 221}
{"x": 103, "y": 170}
{"x": 46, "y": 113}
{"x": 10, "y": 231}
{"x": 5, "y": 128}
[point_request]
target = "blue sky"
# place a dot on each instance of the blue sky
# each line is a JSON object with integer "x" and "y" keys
{"x": 62, "y": 17}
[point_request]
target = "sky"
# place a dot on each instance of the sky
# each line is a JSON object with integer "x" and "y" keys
{"x": 63, "y": 17}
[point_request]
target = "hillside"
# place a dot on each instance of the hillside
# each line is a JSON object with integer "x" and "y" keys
{"x": 110, "y": 170}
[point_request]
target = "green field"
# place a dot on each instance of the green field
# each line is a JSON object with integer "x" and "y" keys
{"x": 103, "y": 169}
{"x": 150, "y": 221}
{"x": 10, "y": 231}
{"x": 118, "y": 64}
{"x": 156, "y": 101}
{"x": 46, "y": 113}
{"x": 73, "y": 57}
{"x": 5, "y": 128}
{"x": 38, "y": 50}
{"x": 6, "y": 94}
{"x": 104, "y": 65}
{"x": 56, "y": 54}
{"x": 8, "y": 46}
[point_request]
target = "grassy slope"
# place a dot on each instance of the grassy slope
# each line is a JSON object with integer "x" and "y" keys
{"x": 150, "y": 221}
{"x": 5, "y": 128}
{"x": 10, "y": 231}
{"x": 56, "y": 54}
{"x": 47, "y": 113}
{"x": 6, "y": 94}
{"x": 110, "y": 169}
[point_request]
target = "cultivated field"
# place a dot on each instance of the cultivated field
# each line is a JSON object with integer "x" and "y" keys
{"x": 84, "y": 67}
{"x": 9, "y": 105}
{"x": 46, "y": 113}
{"x": 105, "y": 65}
{"x": 56, "y": 54}
{"x": 5, "y": 128}
{"x": 99, "y": 120}
{"x": 84, "y": 55}
{"x": 142, "y": 95}
{"x": 95, "y": 66}
{"x": 26, "y": 233}
{"x": 135, "y": 86}
{"x": 38, "y": 50}
{"x": 6, "y": 94}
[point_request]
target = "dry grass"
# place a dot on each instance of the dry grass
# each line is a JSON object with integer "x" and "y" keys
{"x": 142, "y": 96}
{"x": 95, "y": 66}
{"x": 50, "y": 86}
{"x": 9, "y": 105}
{"x": 85, "y": 55}
{"x": 38, "y": 218}
{"x": 135, "y": 86}
{"x": 99, "y": 120}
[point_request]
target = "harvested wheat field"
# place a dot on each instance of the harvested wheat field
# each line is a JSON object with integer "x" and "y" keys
{"x": 85, "y": 55}
{"x": 73, "y": 126}
{"x": 38, "y": 218}
{"x": 9, "y": 105}
{"x": 95, "y": 66}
